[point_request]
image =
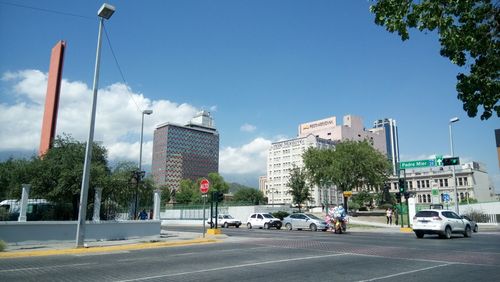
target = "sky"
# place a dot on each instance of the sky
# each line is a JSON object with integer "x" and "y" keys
{"x": 260, "y": 67}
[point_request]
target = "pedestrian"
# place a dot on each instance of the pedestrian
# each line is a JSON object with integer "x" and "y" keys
{"x": 143, "y": 215}
{"x": 388, "y": 214}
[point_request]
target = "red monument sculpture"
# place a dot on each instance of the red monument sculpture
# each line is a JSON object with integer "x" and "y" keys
{"x": 52, "y": 97}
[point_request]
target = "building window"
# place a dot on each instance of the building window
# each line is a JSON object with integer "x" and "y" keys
{"x": 446, "y": 183}
{"x": 465, "y": 181}
{"x": 427, "y": 183}
{"x": 460, "y": 181}
{"x": 440, "y": 182}
{"x": 418, "y": 183}
{"x": 428, "y": 198}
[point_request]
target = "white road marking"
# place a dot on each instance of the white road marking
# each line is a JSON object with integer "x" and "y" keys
{"x": 406, "y": 272}
{"x": 229, "y": 267}
{"x": 45, "y": 267}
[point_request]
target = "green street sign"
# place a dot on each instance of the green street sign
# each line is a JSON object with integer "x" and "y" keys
{"x": 415, "y": 164}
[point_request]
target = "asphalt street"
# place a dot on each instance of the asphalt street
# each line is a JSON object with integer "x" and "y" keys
{"x": 278, "y": 255}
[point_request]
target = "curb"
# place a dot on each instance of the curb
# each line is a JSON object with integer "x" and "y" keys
{"x": 100, "y": 249}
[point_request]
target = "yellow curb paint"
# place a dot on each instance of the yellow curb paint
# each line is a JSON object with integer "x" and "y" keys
{"x": 212, "y": 231}
{"x": 406, "y": 229}
{"x": 125, "y": 247}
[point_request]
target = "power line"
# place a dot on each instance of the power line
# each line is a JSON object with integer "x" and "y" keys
{"x": 119, "y": 68}
{"x": 46, "y": 10}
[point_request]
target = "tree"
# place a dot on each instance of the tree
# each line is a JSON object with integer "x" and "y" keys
{"x": 299, "y": 189}
{"x": 252, "y": 195}
{"x": 469, "y": 35}
{"x": 184, "y": 195}
{"x": 317, "y": 163}
{"x": 352, "y": 164}
{"x": 58, "y": 174}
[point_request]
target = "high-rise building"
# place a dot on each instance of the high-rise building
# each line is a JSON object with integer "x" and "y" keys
{"x": 185, "y": 152}
{"x": 282, "y": 157}
{"x": 390, "y": 130}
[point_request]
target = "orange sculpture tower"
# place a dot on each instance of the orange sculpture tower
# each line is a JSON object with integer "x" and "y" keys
{"x": 52, "y": 98}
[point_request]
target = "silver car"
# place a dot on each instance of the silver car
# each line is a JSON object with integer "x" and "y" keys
{"x": 304, "y": 221}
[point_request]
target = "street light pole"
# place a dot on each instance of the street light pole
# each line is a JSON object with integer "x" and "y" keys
{"x": 140, "y": 174}
{"x": 104, "y": 12}
{"x": 455, "y": 119}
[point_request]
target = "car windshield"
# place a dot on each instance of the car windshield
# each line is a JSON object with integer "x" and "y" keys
{"x": 228, "y": 216}
{"x": 427, "y": 214}
{"x": 312, "y": 216}
{"x": 266, "y": 215}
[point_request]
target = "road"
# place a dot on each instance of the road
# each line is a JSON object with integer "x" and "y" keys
{"x": 278, "y": 255}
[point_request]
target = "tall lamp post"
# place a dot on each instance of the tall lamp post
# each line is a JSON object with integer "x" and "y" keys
{"x": 455, "y": 119}
{"x": 140, "y": 175}
{"x": 105, "y": 12}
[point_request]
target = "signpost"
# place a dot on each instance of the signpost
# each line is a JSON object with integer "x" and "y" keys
{"x": 204, "y": 186}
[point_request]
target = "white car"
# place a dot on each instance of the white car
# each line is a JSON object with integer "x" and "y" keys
{"x": 226, "y": 220}
{"x": 441, "y": 222}
{"x": 263, "y": 220}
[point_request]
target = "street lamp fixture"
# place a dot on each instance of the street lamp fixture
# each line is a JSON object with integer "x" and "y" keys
{"x": 455, "y": 191}
{"x": 141, "y": 173}
{"x": 104, "y": 12}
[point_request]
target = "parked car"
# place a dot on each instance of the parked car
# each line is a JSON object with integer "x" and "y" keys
{"x": 226, "y": 220}
{"x": 473, "y": 224}
{"x": 441, "y": 222}
{"x": 263, "y": 220}
{"x": 304, "y": 221}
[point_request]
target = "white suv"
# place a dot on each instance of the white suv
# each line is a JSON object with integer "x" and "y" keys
{"x": 263, "y": 220}
{"x": 441, "y": 222}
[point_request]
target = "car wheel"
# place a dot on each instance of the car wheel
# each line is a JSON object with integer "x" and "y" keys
{"x": 288, "y": 227}
{"x": 266, "y": 226}
{"x": 278, "y": 227}
{"x": 237, "y": 226}
{"x": 313, "y": 227}
{"x": 467, "y": 232}
{"x": 249, "y": 225}
{"x": 447, "y": 232}
{"x": 419, "y": 234}
{"x": 225, "y": 225}
{"x": 476, "y": 229}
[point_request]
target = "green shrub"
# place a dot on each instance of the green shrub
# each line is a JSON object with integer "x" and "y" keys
{"x": 280, "y": 214}
{"x": 2, "y": 246}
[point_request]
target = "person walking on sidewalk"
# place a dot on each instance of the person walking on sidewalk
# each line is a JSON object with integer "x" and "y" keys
{"x": 388, "y": 214}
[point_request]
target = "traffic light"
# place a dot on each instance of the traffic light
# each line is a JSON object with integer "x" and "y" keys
{"x": 407, "y": 195}
{"x": 401, "y": 185}
{"x": 218, "y": 197}
{"x": 451, "y": 161}
{"x": 398, "y": 197}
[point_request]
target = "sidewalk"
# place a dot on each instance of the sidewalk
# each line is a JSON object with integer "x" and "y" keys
{"x": 47, "y": 248}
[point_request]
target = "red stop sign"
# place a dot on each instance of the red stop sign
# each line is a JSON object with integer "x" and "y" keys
{"x": 204, "y": 184}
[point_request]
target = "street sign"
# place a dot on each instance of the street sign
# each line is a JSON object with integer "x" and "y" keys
{"x": 415, "y": 164}
{"x": 437, "y": 161}
{"x": 204, "y": 185}
{"x": 446, "y": 197}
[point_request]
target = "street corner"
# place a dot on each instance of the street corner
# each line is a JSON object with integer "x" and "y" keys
{"x": 89, "y": 249}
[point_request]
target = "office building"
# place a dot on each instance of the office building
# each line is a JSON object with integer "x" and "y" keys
{"x": 185, "y": 152}
{"x": 389, "y": 129}
{"x": 282, "y": 157}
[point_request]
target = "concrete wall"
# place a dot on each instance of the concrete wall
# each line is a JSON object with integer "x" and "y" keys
{"x": 487, "y": 208}
{"x": 39, "y": 231}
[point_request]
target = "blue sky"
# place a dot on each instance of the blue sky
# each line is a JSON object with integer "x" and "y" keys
{"x": 260, "y": 67}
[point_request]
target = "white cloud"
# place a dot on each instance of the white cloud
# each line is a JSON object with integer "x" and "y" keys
{"x": 118, "y": 115}
{"x": 248, "y": 128}
{"x": 250, "y": 158}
